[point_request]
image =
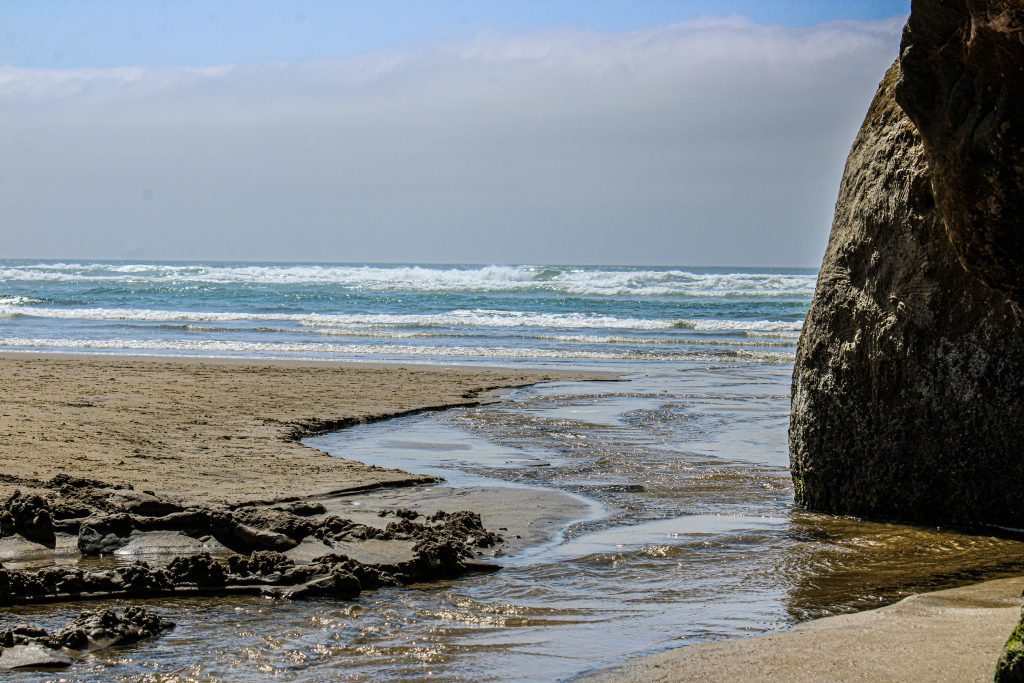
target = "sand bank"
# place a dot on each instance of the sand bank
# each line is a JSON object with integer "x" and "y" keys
{"x": 210, "y": 430}
{"x": 950, "y": 635}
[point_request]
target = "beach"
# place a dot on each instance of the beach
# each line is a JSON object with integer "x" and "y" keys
{"x": 204, "y": 431}
{"x": 951, "y": 635}
{"x": 336, "y": 411}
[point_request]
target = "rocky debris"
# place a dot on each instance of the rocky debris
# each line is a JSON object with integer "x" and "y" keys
{"x": 108, "y": 518}
{"x": 26, "y": 646}
{"x": 1010, "y": 668}
{"x": 436, "y": 558}
{"x": 260, "y": 563}
{"x": 401, "y": 513}
{"x": 442, "y": 546}
{"x": 325, "y": 576}
{"x": 908, "y": 386}
{"x": 370, "y": 576}
{"x": 140, "y": 577}
{"x": 337, "y": 584}
{"x": 29, "y": 516}
{"x": 467, "y": 526}
{"x": 200, "y": 569}
{"x": 963, "y": 87}
{"x": 103, "y": 628}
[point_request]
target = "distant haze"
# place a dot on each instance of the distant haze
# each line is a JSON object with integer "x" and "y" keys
{"x": 716, "y": 141}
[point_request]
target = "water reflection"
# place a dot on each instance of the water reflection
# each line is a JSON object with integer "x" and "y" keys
{"x": 841, "y": 564}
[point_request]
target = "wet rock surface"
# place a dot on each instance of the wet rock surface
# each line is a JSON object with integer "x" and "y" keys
{"x": 908, "y": 387}
{"x": 27, "y": 647}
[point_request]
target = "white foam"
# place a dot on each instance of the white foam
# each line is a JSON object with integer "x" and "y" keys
{"x": 662, "y": 341}
{"x": 457, "y": 318}
{"x": 14, "y": 300}
{"x": 261, "y": 348}
{"x": 564, "y": 280}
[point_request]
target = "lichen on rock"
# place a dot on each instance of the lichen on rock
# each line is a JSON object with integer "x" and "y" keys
{"x": 1010, "y": 668}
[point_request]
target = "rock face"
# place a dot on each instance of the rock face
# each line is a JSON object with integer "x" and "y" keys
{"x": 1010, "y": 668}
{"x": 963, "y": 87}
{"x": 908, "y": 389}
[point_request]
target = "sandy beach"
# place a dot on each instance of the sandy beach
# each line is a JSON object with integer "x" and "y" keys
{"x": 950, "y": 635}
{"x": 213, "y": 431}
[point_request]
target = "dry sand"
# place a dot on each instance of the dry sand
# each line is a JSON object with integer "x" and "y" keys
{"x": 951, "y": 635}
{"x": 208, "y": 430}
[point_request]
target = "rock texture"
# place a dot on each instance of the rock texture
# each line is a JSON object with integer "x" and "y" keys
{"x": 908, "y": 389}
{"x": 1010, "y": 668}
{"x": 963, "y": 86}
{"x": 28, "y": 647}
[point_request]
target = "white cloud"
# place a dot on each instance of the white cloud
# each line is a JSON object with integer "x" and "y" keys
{"x": 713, "y": 141}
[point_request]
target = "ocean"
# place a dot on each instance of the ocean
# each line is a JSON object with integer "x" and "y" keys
{"x": 677, "y": 524}
{"x": 583, "y": 314}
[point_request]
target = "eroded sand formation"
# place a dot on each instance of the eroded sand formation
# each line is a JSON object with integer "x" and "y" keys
{"x": 250, "y": 541}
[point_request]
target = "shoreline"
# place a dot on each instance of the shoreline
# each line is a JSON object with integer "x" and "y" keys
{"x": 224, "y": 431}
{"x": 953, "y": 634}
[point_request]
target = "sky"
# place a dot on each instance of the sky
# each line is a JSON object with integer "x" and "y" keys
{"x": 531, "y": 131}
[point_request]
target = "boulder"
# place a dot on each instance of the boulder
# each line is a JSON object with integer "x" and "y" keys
{"x": 908, "y": 386}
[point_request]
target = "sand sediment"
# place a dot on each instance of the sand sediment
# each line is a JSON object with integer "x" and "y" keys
{"x": 208, "y": 431}
{"x": 950, "y": 635}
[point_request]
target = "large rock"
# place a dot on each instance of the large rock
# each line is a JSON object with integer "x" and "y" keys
{"x": 963, "y": 87}
{"x": 908, "y": 389}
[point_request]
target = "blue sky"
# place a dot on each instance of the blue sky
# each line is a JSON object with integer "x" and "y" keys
{"x": 699, "y": 133}
{"x": 108, "y": 33}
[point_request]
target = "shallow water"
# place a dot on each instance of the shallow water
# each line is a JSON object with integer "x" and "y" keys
{"x": 684, "y": 532}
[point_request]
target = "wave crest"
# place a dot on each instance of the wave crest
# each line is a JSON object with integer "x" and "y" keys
{"x": 577, "y": 281}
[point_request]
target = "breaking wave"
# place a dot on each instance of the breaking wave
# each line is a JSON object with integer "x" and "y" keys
{"x": 341, "y": 350}
{"x": 579, "y": 281}
{"x": 456, "y": 318}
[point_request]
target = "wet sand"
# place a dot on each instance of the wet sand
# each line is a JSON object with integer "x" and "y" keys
{"x": 950, "y": 635}
{"x": 208, "y": 431}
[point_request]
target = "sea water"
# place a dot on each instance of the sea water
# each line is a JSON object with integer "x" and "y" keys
{"x": 688, "y": 534}
{"x": 405, "y": 312}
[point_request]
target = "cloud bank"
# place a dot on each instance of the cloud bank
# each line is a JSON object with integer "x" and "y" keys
{"x": 711, "y": 142}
